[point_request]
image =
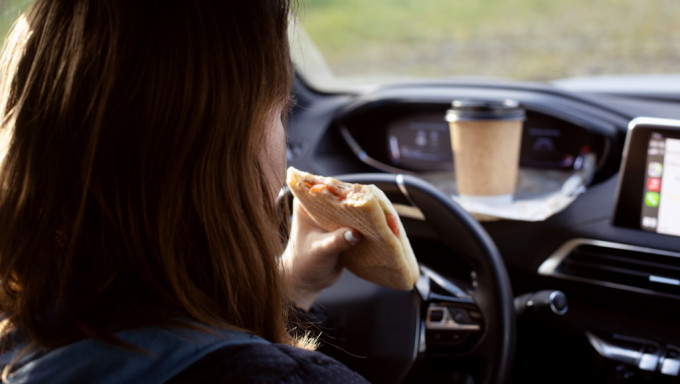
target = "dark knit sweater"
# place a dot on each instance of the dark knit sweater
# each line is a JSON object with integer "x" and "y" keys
{"x": 267, "y": 363}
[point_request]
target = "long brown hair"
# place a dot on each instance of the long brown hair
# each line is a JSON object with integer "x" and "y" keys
{"x": 130, "y": 190}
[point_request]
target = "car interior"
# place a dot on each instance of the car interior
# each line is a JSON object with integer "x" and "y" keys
{"x": 579, "y": 281}
{"x": 587, "y": 294}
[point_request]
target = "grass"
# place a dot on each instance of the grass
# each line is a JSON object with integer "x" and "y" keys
{"x": 521, "y": 39}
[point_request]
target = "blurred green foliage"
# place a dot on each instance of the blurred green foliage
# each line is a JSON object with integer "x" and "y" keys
{"x": 518, "y": 39}
{"x": 522, "y": 39}
{"x": 9, "y": 12}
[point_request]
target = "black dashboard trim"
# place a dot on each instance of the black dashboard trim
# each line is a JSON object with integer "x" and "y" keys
{"x": 550, "y": 266}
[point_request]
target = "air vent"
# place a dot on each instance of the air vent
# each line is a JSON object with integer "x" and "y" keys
{"x": 643, "y": 270}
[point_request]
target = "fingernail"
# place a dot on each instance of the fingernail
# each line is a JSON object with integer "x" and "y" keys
{"x": 352, "y": 237}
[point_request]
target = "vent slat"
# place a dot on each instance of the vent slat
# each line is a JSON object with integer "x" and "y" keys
{"x": 620, "y": 267}
{"x": 643, "y": 261}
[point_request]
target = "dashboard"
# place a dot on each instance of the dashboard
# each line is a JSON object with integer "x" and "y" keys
{"x": 412, "y": 136}
{"x": 622, "y": 280}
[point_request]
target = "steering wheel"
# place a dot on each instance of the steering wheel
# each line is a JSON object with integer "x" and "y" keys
{"x": 438, "y": 332}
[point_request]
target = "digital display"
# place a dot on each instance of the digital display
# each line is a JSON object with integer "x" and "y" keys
{"x": 661, "y": 195}
{"x": 421, "y": 143}
{"x": 648, "y": 195}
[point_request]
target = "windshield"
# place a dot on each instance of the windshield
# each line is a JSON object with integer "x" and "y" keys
{"x": 9, "y": 12}
{"x": 372, "y": 41}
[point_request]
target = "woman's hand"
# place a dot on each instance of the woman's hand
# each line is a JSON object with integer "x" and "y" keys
{"x": 311, "y": 261}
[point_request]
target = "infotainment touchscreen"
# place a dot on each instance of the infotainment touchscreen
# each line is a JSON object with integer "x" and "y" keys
{"x": 661, "y": 202}
{"x": 649, "y": 185}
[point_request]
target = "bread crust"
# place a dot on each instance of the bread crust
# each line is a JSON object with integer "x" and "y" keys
{"x": 381, "y": 257}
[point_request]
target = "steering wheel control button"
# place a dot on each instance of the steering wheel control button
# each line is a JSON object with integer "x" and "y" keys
{"x": 446, "y": 337}
{"x": 436, "y": 316}
{"x": 449, "y": 317}
{"x": 460, "y": 315}
{"x": 449, "y": 326}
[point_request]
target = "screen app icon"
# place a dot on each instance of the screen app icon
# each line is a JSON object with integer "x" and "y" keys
{"x": 653, "y": 184}
{"x": 654, "y": 169}
{"x": 652, "y": 199}
{"x": 649, "y": 222}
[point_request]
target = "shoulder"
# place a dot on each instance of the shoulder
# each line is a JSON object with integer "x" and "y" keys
{"x": 267, "y": 363}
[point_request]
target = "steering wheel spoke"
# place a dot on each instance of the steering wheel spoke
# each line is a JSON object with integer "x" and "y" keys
{"x": 453, "y": 322}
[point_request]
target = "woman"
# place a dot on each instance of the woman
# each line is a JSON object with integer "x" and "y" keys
{"x": 143, "y": 150}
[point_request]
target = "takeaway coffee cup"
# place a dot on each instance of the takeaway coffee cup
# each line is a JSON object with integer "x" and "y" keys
{"x": 486, "y": 138}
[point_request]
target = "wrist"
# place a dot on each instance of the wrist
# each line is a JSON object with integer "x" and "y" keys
{"x": 303, "y": 297}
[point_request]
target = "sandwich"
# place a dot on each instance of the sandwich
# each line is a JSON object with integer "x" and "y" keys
{"x": 384, "y": 256}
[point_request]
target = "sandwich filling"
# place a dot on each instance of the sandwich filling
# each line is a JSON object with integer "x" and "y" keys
{"x": 341, "y": 192}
